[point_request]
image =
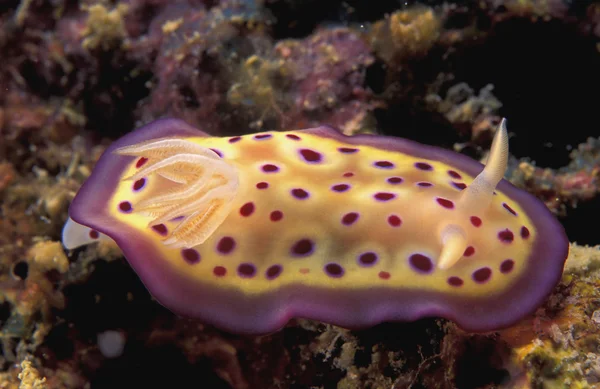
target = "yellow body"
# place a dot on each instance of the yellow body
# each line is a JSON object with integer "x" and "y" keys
{"x": 264, "y": 242}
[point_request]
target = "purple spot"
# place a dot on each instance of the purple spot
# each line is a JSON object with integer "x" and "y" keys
{"x": 140, "y": 162}
{"x": 292, "y": 136}
{"x": 424, "y": 184}
{"x": 469, "y": 251}
{"x": 247, "y": 209}
{"x": 247, "y": 270}
{"x": 226, "y": 245}
{"x": 421, "y": 263}
{"x": 300, "y": 194}
{"x": 334, "y": 270}
{"x": 235, "y": 139}
{"x": 139, "y": 184}
{"x": 524, "y": 232}
{"x": 350, "y": 218}
{"x": 125, "y": 206}
{"x": 384, "y": 275}
{"x": 273, "y": 272}
{"x": 311, "y": 155}
{"x": 178, "y": 218}
{"x": 506, "y": 266}
{"x": 347, "y": 150}
{"x": 219, "y": 271}
{"x": 455, "y": 281}
{"x": 303, "y": 247}
{"x": 262, "y": 185}
{"x": 384, "y": 164}
{"x": 348, "y": 174}
{"x": 475, "y": 221}
{"x": 94, "y": 234}
{"x": 394, "y": 220}
{"x": 506, "y": 236}
{"x": 482, "y": 275}
{"x": 459, "y": 185}
{"x": 340, "y": 187}
{"x": 509, "y": 209}
{"x": 395, "y": 180}
{"x": 384, "y": 196}
{"x": 423, "y": 166}
{"x": 191, "y": 256}
{"x": 160, "y": 229}
{"x": 269, "y": 168}
{"x": 276, "y": 216}
{"x": 367, "y": 259}
{"x": 454, "y": 174}
{"x": 262, "y": 136}
{"x": 220, "y": 154}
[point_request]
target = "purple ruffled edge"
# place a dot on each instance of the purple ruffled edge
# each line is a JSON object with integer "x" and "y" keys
{"x": 233, "y": 311}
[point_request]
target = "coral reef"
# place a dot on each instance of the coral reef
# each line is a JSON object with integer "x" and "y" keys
{"x": 76, "y": 75}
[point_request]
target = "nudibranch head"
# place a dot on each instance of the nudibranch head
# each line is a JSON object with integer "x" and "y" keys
{"x": 246, "y": 232}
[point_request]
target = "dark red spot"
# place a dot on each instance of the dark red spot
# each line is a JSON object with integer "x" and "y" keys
{"x": 292, "y": 136}
{"x": 421, "y": 263}
{"x": 384, "y": 196}
{"x": 125, "y": 206}
{"x": 367, "y": 259}
{"x": 348, "y": 174}
{"x": 191, "y": 256}
{"x": 347, "y": 150}
{"x": 506, "y": 266}
{"x": 311, "y": 155}
{"x": 304, "y": 270}
{"x": 276, "y": 216}
{"x": 262, "y": 136}
{"x": 334, "y": 270}
{"x": 303, "y": 247}
{"x": 235, "y": 139}
{"x": 424, "y": 184}
{"x": 94, "y": 234}
{"x": 423, "y": 166}
{"x": 454, "y": 174}
{"x": 394, "y": 220}
{"x": 482, "y": 275}
{"x": 506, "y": 236}
{"x": 220, "y": 154}
{"x": 384, "y": 275}
{"x": 140, "y": 162}
{"x": 247, "y": 209}
{"x": 455, "y": 281}
{"x": 273, "y": 272}
{"x": 139, "y": 184}
{"x": 445, "y": 203}
{"x": 299, "y": 193}
{"x": 350, "y": 218}
{"x": 247, "y": 270}
{"x": 262, "y": 185}
{"x": 469, "y": 251}
{"x": 459, "y": 185}
{"x": 384, "y": 164}
{"x": 269, "y": 168}
{"x": 509, "y": 209}
{"x": 226, "y": 245}
{"x": 219, "y": 271}
{"x": 395, "y": 180}
{"x": 524, "y": 232}
{"x": 160, "y": 229}
{"x": 475, "y": 221}
{"x": 340, "y": 187}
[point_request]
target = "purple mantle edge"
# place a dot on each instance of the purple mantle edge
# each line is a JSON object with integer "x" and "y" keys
{"x": 235, "y": 312}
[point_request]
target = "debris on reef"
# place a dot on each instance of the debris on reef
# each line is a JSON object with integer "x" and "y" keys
{"x": 77, "y": 74}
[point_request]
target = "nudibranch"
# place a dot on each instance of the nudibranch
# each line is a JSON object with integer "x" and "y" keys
{"x": 247, "y": 232}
